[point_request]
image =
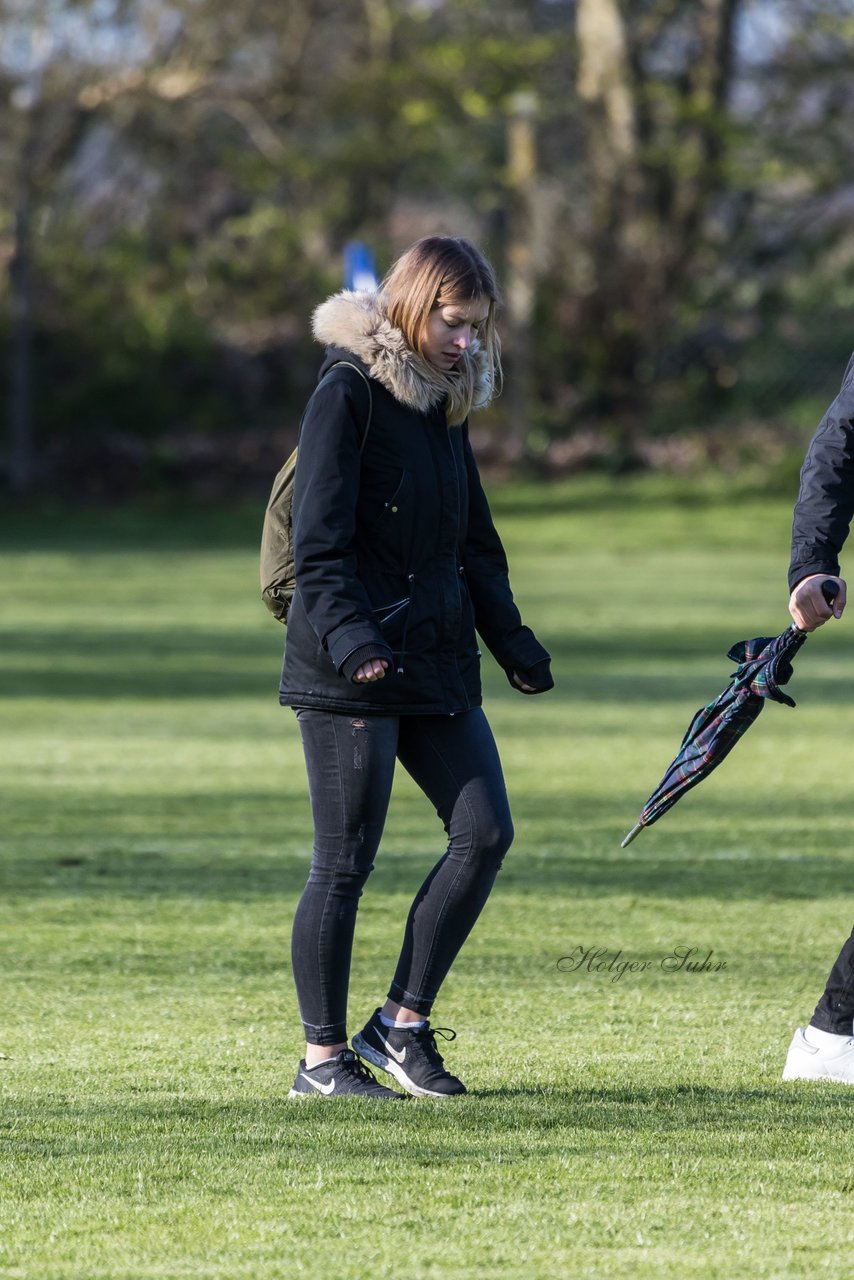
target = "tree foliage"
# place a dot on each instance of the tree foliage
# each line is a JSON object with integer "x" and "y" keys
{"x": 185, "y": 176}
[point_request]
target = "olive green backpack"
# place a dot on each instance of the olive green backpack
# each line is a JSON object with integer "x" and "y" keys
{"x": 278, "y": 576}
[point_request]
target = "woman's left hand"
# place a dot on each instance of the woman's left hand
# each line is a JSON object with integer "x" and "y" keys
{"x": 535, "y": 679}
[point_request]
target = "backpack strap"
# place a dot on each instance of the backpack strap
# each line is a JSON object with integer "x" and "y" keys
{"x": 350, "y": 365}
{"x": 278, "y": 577}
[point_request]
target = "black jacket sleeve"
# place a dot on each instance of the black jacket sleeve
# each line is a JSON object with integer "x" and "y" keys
{"x": 326, "y": 487}
{"x": 496, "y": 615}
{"x": 825, "y": 504}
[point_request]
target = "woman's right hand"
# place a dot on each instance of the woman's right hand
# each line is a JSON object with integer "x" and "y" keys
{"x": 373, "y": 669}
{"x": 807, "y": 604}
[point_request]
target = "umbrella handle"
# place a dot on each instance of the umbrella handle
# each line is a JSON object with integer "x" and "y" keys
{"x": 830, "y": 590}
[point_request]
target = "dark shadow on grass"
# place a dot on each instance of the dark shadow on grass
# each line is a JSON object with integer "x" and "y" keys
{"x": 171, "y": 523}
{"x": 684, "y": 1106}
{"x": 685, "y": 669}
{"x": 621, "y": 495}
{"x": 168, "y": 525}
{"x": 542, "y": 1120}
{"x": 762, "y": 879}
{"x": 106, "y": 663}
{"x": 669, "y": 865}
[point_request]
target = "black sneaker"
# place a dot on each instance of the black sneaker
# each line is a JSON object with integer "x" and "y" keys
{"x": 410, "y": 1056}
{"x": 343, "y": 1074}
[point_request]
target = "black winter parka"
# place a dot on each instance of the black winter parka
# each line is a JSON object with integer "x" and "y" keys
{"x": 396, "y": 554}
{"x": 825, "y": 504}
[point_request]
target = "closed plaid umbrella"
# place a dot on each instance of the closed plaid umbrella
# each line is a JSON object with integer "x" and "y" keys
{"x": 764, "y": 664}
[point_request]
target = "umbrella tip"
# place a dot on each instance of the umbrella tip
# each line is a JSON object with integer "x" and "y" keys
{"x": 636, "y": 830}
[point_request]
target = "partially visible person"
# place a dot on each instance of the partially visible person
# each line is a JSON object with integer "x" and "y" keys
{"x": 824, "y": 1050}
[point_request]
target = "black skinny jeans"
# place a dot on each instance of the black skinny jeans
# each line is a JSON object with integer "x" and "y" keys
{"x": 350, "y": 762}
{"x": 835, "y": 1010}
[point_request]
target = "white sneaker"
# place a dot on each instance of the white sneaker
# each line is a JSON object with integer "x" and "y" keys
{"x": 806, "y": 1061}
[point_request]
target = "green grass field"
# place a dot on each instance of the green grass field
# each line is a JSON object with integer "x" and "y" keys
{"x": 155, "y": 839}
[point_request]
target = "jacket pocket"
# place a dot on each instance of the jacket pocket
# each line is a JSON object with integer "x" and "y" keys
{"x": 392, "y": 507}
{"x": 388, "y": 614}
{"x": 467, "y": 620}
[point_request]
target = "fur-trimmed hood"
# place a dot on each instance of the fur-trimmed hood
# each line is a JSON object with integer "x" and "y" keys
{"x": 357, "y": 322}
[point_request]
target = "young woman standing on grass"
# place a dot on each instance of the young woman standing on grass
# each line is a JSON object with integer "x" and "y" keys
{"x": 397, "y": 564}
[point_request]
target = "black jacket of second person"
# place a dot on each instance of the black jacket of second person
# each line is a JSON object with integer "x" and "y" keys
{"x": 825, "y": 504}
{"x": 395, "y": 549}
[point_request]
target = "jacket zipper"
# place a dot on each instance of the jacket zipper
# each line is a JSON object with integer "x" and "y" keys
{"x": 460, "y": 567}
{"x": 410, "y": 577}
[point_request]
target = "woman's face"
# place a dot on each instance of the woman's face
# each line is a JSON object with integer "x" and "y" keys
{"x": 450, "y": 329}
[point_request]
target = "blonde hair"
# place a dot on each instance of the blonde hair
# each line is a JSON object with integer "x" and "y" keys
{"x": 440, "y": 271}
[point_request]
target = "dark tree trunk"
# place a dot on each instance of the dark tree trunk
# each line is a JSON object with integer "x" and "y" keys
{"x": 21, "y": 444}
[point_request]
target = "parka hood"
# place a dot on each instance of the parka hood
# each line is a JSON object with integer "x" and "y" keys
{"x": 356, "y": 321}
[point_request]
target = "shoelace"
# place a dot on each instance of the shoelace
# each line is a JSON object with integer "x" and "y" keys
{"x": 358, "y": 1069}
{"x": 428, "y": 1034}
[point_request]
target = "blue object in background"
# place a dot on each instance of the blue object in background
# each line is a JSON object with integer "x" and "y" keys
{"x": 359, "y": 268}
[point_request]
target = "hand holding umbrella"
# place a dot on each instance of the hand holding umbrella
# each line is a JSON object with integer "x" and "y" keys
{"x": 764, "y": 664}
{"x": 812, "y": 604}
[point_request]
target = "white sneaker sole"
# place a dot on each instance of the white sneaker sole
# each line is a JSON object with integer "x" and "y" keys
{"x": 393, "y": 1068}
{"x": 795, "y": 1073}
{"x": 297, "y": 1093}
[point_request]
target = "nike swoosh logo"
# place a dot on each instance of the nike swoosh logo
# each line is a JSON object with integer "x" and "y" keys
{"x": 315, "y": 1084}
{"x": 399, "y": 1055}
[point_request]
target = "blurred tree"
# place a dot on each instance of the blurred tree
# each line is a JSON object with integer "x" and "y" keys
{"x": 189, "y": 171}
{"x": 213, "y": 178}
{"x": 49, "y": 53}
{"x": 656, "y": 90}
{"x": 711, "y": 135}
